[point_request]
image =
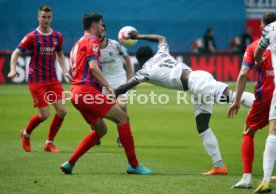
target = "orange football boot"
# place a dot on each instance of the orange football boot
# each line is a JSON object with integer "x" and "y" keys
{"x": 50, "y": 148}
{"x": 217, "y": 171}
{"x": 26, "y": 143}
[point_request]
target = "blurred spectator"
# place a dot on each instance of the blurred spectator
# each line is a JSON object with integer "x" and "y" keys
{"x": 209, "y": 45}
{"x": 246, "y": 39}
{"x": 239, "y": 43}
{"x": 197, "y": 45}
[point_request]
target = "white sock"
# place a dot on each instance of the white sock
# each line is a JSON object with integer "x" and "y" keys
{"x": 210, "y": 143}
{"x": 246, "y": 99}
{"x": 269, "y": 157}
{"x": 247, "y": 176}
{"x": 49, "y": 142}
{"x": 26, "y": 134}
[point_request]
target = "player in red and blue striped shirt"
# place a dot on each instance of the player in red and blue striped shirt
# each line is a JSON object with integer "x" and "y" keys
{"x": 44, "y": 45}
{"x": 86, "y": 96}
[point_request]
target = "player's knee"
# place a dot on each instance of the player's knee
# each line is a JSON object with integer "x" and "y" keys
{"x": 272, "y": 130}
{"x": 101, "y": 132}
{"x": 248, "y": 131}
{"x": 202, "y": 122}
{"x": 124, "y": 119}
{"x": 123, "y": 107}
{"x": 44, "y": 116}
{"x": 61, "y": 113}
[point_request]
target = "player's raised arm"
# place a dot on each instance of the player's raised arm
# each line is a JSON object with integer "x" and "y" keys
{"x": 14, "y": 57}
{"x": 125, "y": 87}
{"x": 149, "y": 37}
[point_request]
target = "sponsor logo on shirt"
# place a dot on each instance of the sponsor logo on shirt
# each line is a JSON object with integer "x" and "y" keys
{"x": 270, "y": 73}
{"x": 47, "y": 50}
{"x": 95, "y": 47}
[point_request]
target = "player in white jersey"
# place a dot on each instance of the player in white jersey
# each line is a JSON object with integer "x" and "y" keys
{"x": 163, "y": 70}
{"x": 269, "y": 39}
{"x": 114, "y": 59}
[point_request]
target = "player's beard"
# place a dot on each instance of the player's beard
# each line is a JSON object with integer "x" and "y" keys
{"x": 102, "y": 38}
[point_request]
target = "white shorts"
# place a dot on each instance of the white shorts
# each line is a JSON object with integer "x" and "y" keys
{"x": 204, "y": 89}
{"x": 272, "y": 111}
{"x": 115, "y": 85}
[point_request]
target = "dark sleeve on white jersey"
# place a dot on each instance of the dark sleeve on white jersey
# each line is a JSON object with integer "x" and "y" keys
{"x": 265, "y": 39}
{"x": 142, "y": 75}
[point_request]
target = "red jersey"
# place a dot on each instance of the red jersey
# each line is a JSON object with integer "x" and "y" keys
{"x": 42, "y": 48}
{"x": 86, "y": 49}
{"x": 265, "y": 82}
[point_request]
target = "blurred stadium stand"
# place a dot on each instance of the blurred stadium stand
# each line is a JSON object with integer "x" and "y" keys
{"x": 181, "y": 21}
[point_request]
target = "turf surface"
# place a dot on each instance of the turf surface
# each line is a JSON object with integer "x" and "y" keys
{"x": 166, "y": 141}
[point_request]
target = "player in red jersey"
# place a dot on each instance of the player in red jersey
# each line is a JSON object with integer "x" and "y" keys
{"x": 86, "y": 96}
{"x": 258, "y": 114}
{"x": 44, "y": 44}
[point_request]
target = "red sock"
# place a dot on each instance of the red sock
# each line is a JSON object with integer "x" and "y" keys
{"x": 87, "y": 142}
{"x": 247, "y": 152}
{"x": 127, "y": 141}
{"x": 54, "y": 127}
{"x": 33, "y": 123}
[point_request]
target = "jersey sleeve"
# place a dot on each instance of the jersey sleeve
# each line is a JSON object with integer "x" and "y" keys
{"x": 93, "y": 52}
{"x": 25, "y": 44}
{"x": 122, "y": 50}
{"x": 163, "y": 48}
{"x": 59, "y": 44}
{"x": 142, "y": 75}
{"x": 248, "y": 58}
{"x": 264, "y": 41}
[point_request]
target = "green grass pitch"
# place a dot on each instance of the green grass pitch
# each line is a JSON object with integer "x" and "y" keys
{"x": 166, "y": 141}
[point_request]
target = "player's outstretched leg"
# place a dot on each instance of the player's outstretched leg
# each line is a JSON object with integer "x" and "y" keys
{"x": 117, "y": 115}
{"x": 247, "y": 99}
{"x": 210, "y": 144}
{"x": 122, "y": 102}
{"x": 87, "y": 142}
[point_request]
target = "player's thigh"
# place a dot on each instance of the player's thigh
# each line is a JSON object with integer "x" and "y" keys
{"x": 202, "y": 108}
{"x": 39, "y": 94}
{"x": 122, "y": 101}
{"x": 100, "y": 127}
{"x": 258, "y": 115}
{"x": 117, "y": 115}
{"x": 272, "y": 115}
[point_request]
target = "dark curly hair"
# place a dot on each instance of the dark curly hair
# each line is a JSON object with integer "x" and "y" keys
{"x": 143, "y": 54}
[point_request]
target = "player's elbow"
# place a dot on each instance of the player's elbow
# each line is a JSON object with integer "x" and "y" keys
{"x": 93, "y": 66}
{"x": 162, "y": 39}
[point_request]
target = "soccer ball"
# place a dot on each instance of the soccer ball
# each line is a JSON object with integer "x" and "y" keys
{"x": 124, "y": 38}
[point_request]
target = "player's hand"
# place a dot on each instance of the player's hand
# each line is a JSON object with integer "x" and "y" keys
{"x": 111, "y": 94}
{"x": 233, "y": 110}
{"x": 12, "y": 74}
{"x": 68, "y": 76}
{"x": 133, "y": 35}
